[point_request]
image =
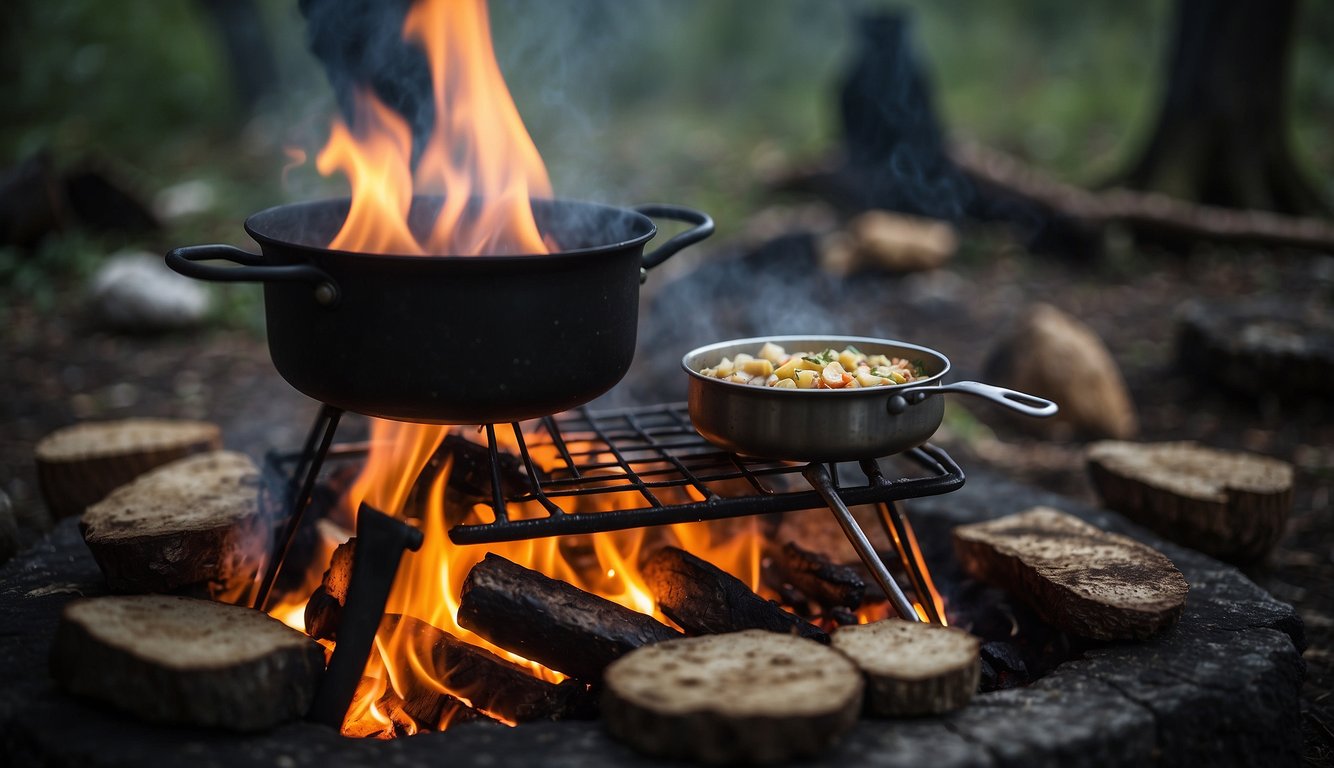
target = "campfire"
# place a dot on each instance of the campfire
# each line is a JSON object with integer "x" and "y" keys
{"x": 744, "y": 577}
{"x": 605, "y": 475}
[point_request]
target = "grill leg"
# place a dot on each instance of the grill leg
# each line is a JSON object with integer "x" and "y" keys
{"x": 823, "y": 482}
{"x": 308, "y": 470}
{"x": 896, "y": 528}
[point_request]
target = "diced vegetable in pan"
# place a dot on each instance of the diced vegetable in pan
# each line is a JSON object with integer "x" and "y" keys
{"x": 774, "y": 366}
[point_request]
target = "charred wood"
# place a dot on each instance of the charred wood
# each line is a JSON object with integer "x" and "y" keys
{"x": 551, "y": 622}
{"x": 703, "y": 599}
{"x": 490, "y": 682}
{"x": 829, "y": 584}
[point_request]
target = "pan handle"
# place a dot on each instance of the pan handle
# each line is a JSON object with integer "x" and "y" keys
{"x": 1029, "y": 405}
{"x": 702, "y": 229}
{"x": 253, "y": 269}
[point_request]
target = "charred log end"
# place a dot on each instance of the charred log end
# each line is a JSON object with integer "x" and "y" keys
{"x": 704, "y": 599}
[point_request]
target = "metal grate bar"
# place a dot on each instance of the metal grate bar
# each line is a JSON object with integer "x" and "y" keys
{"x": 659, "y": 455}
{"x": 655, "y": 454}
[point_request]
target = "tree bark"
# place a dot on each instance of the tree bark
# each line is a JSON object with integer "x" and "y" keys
{"x": 1222, "y": 135}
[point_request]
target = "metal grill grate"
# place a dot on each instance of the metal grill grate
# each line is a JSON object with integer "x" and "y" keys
{"x": 663, "y": 472}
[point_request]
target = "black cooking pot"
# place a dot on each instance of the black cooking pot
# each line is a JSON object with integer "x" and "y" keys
{"x": 450, "y": 339}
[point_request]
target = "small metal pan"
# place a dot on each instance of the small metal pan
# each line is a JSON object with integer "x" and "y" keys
{"x": 831, "y": 425}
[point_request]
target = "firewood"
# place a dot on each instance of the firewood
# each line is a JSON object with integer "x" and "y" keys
{"x": 829, "y": 584}
{"x": 172, "y": 659}
{"x": 491, "y": 683}
{"x": 81, "y": 464}
{"x": 1077, "y": 577}
{"x": 1226, "y": 504}
{"x": 752, "y": 696}
{"x": 912, "y": 668}
{"x": 193, "y": 521}
{"x": 550, "y": 621}
{"x": 323, "y": 614}
{"x": 705, "y": 600}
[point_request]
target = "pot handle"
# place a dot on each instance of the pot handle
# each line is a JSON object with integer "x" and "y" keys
{"x": 1022, "y": 402}
{"x": 702, "y": 229}
{"x": 253, "y": 269}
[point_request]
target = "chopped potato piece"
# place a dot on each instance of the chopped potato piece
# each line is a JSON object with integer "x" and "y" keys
{"x": 759, "y": 367}
{"x": 787, "y": 370}
{"x": 807, "y": 379}
{"x": 849, "y": 359}
{"x": 773, "y": 353}
{"x": 786, "y": 384}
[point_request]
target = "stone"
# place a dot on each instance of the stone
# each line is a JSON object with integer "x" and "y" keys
{"x": 893, "y": 242}
{"x": 1050, "y": 354}
{"x": 135, "y": 291}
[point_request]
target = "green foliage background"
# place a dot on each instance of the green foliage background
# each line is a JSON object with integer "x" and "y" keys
{"x": 629, "y": 100}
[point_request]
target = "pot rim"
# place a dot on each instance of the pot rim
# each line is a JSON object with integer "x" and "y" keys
{"x": 694, "y": 355}
{"x": 289, "y": 210}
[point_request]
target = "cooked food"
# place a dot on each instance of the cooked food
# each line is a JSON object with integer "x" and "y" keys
{"x": 773, "y": 366}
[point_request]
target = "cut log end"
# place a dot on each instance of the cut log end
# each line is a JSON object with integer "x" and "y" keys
{"x": 913, "y": 668}
{"x": 1077, "y": 577}
{"x": 194, "y": 521}
{"x": 753, "y": 696}
{"x": 184, "y": 661}
{"x": 79, "y": 465}
{"x": 1230, "y": 505}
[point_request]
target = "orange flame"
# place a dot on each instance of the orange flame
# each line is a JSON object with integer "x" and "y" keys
{"x": 476, "y": 173}
{"x": 479, "y": 163}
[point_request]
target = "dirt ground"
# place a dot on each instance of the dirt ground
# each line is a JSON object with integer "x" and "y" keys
{"x": 57, "y": 370}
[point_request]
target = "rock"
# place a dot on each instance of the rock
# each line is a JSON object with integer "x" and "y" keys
{"x": 1053, "y": 355}
{"x": 890, "y": 241}
{"x": 185, "y": 199}
{"x": 9, "y": 529}
{"x": 135, "y": 291}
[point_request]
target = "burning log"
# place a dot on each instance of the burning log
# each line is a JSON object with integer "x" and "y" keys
{"x": 324, "y": 610}
{"x": 491, "y": 683}
{"x": 192, "y": 522}
{"x": 1078, "y": 578}
{"x": 551, "y": 622}
{"x": 1227, "y": 504}
{"x": 829, "y": 584}
{"x": 704, "y": 600}
{"x": 192, "y": 662}
{"x": 436, "y": 710}
{"x": 912, "y": 668}
{"x": 752, "y": 697}
{"x": 470, "y": 476}
{"x": 79, "y": 465}
{"x": 323, "y": 613}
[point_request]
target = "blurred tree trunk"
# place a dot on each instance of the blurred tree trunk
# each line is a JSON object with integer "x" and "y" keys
{"x": 1222, "y": 132}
